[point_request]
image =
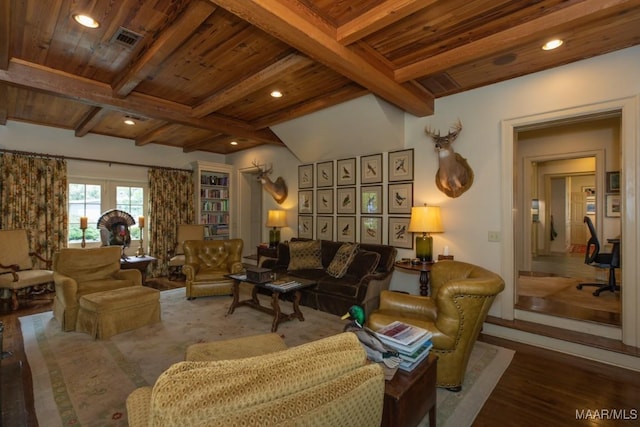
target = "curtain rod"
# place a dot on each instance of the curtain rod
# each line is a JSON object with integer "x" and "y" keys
{"x": 109, "y": 162}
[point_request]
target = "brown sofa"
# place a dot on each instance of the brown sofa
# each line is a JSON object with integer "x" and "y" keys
{"x": 461, "y": 296}
{"x": 78, "y": 272}
{"x": 367, "y": 275}
{"x": 206, "y": 264}
{"x": 327, "y": 382}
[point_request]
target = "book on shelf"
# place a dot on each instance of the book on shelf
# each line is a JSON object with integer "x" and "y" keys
{"x": 403, "y": 337}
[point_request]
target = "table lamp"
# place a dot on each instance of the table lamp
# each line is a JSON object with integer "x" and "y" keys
{"x": 275, "y": 220}
{"x": 425, "y": 219}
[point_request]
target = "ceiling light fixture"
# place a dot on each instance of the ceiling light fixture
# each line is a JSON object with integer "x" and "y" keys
{"x": 276, "y": 94}
{"x": 129, "y": 121}
{"x": 234, "y": 143}
{"x": 552, "y": 44}
{"x": 86, "y": 21}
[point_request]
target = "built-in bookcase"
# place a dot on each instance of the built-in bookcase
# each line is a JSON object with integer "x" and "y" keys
{"x": 213, "y": 191}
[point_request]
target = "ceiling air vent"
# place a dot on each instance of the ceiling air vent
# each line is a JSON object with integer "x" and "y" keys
{"x": 126, "y": 38}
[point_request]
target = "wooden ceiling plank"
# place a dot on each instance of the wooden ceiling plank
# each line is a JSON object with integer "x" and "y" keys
{"x": 286, "y": 24}
{"x": 195, "y": 146}
{"x": 167, "y": 43}
{"x": 154, "y": 135}
{"x": 248, "y": 85}
{"x": 510, "y": 37}
{"x": 377, "y": 18}
{"x": 99, "y": 94}
{"x": 91, "y": 120}
{"x": 5, "y": 33}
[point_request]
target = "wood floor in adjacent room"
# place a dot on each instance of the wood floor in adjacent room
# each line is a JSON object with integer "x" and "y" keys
{"x": 540, "y": 387}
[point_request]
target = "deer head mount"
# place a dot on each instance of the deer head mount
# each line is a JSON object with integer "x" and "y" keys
{"x": 277, "y": 189}
{"x": 454, "y": 175}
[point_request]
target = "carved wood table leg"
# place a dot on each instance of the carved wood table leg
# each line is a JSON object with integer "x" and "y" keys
{"x": 296, "y": 306}
{"x": 236, "y": 296}
{"x": 275, "y": 304}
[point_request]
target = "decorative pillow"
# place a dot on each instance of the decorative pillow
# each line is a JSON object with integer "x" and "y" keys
{"x": 305, "y": 255}
{"x": 342, "y": 260}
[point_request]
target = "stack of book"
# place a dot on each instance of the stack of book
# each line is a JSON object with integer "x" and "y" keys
{"x": 411, "y": 342}
{"x": 283, "y": 285}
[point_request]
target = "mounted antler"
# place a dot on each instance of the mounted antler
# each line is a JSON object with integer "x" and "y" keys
{"x": 454, "y": 175}
{"x": 277, "y": 189}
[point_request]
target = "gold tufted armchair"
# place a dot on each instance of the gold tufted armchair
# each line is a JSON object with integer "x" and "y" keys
{"x": 461, "y": 295}
{"x": 206, "y": 264}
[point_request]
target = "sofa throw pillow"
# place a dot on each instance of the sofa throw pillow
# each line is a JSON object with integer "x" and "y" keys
{"x": 342, "y": 260}
{"x": 305, "y": 255}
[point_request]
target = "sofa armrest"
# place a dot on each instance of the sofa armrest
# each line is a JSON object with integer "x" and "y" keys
{"x": 190, "y": 271}
{"x": 375, "y": 284}
{"x": 66, "y": 289}
{"x": 139, "y": 407}
{"x": 133, "y": 275}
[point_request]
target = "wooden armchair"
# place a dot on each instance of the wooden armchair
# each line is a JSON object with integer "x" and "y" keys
{"x": 207, "y": 262}
{"x": 17, "y": 268}
{"x": 461, "y": 295}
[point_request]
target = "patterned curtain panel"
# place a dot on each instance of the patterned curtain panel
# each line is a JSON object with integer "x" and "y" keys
{"x": 34, "y": 197}
{"x": 170, "y": 203}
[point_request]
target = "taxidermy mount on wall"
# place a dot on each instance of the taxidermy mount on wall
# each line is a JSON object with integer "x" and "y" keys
{"x": 454, "y": 175}
{"x": 277, "y": 189}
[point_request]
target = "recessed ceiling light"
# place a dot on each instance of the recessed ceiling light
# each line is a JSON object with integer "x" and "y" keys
{"x": 276, "y": 94}
{"x": 86, "y": 20}
{"x": 129, "y": 121}
{"x": 552, "y": 44}
{"x": 234, "y": 143}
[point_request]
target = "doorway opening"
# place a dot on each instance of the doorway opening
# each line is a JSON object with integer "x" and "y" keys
{"x": 250, "y": 213}
{"x": 563, "y": 181}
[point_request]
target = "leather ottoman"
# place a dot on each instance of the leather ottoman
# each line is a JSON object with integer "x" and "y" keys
{"x": 105, "y": 314}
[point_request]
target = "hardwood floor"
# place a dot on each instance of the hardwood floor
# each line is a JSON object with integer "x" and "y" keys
{"x": 540, "y": 387}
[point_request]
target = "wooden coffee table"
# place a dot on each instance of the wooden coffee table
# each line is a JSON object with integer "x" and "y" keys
{"x": 410, "y": 395}
{"x": 254, "y": 302}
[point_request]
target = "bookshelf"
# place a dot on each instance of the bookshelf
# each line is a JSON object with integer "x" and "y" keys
{"x": 213, "y": 190}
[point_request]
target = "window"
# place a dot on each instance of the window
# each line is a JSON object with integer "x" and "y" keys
{"x": 90, "y": 198}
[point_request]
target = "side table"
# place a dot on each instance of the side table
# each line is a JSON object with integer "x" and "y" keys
{"x": 137, "y": 263}
{"x": 410, "y": 395}
{"x": 423, "y": 268}
{"x": 266, "y": 252}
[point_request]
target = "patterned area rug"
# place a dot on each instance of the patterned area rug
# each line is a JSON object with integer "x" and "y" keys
{"x": 79, "y": 381}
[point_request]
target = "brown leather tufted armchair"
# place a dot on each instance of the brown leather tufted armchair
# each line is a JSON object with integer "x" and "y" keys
{"x": 206, "y": 264}
{"x": 461, "y": 295}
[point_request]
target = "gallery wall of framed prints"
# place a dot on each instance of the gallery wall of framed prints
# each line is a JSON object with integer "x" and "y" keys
{"x": 366, "y": 199}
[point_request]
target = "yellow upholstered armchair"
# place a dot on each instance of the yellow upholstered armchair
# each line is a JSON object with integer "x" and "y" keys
{"x": 206, "y": 264}
{"x": 78, "y": 272}
{"x": 17, "y": 269}
{"x": 461, "y": 295}
{"x": 176, "y": 256}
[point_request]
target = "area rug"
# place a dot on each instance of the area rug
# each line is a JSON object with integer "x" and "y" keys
{"x": 80, "y": 381}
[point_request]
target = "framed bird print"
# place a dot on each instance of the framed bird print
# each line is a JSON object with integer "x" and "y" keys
{"x": 346, "y": 200}
{"x": 398, "y": 234}
{"x": 325, "y": 174}
{"x": 324, "y": 201}
{"x": 401, "y": 165}
{"x": 305, "y": 201}
{"x": 305, "y": 176}
{"x": 346, "y": 172}
{"x": 371, "y": 169}
{"x": 324, "y": 227}
{"x": 305, "y": 226}
{"x": 371, "y": 229}
{"x": 371, "y": 199}
{"x": 346, "y": 229}
{"x": 400, "y": 198}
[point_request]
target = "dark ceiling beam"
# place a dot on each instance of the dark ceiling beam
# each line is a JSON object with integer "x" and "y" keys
{"x": 293, "y": 24}
{"x": 168, "y": 42}
{"x": 250, "y": 84}
{"x": 90, "y": 120}
{"x": 510, "y": 37}
{"x": 198, "y": 145}
{"x": 5, "y": 33}
{"x": 154, "y": 134}
{"x": 98, "y": 94}
{"x": 375, "y": 19}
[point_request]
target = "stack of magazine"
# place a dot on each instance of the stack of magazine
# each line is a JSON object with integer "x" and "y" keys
{"x": 283, "y": 285}
{"x": 411, "y": 342}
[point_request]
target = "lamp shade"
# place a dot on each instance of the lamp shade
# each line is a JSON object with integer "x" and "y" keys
{"x": 425, "y": 219}
{"x": 277, "y": 218}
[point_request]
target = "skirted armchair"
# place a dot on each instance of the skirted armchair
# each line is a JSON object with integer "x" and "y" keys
{"x": 78, "y": 272}
{"x": 206, "y": 264}
{"x": 461, "y": 296}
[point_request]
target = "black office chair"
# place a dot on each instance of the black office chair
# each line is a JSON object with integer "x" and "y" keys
{"x": 594, "y": 258}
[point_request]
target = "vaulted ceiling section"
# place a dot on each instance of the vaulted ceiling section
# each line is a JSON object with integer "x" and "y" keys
{"x": 198, "y": 75}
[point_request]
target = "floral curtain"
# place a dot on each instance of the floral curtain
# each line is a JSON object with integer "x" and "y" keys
{"x": 33, "y": 194}
{"x": 170, "y": 203}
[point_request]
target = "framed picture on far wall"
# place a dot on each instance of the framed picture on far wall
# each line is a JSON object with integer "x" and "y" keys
{"x": 305, "y": 176}
{"x": 346, "y": 229}
{"x": 371, "y": 229}
{"x": 400, "y": 198}
{"x": 401, "y": 165}
{"x": 371, "y": 199}
{"x": 346, "y": 200}
{"x": 305, "y": 201}
{"x": 305, "y": 226}
{"x": 325, "y": 174}
{"x": 613, "y": 182}
{"x": 346, "y": 171}
{"x": 324, "y": 227}
{"x": 324, "y": 202}
{"x": 613, "y": 202}
{"x": 371, "y": 169}
{"x": 398, "y": 234}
